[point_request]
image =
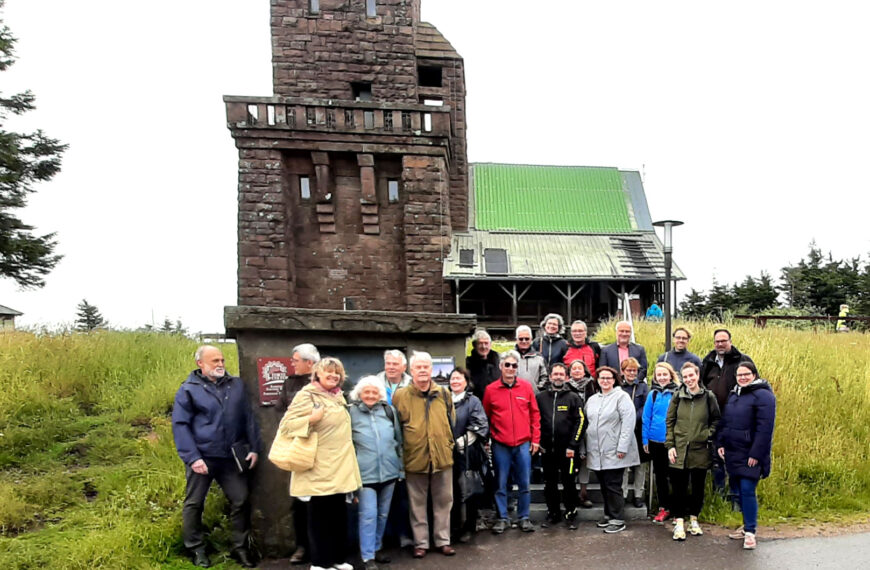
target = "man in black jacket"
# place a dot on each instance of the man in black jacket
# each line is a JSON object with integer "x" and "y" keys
{"x": 719, "y": 375}
{"x": 482, "y": 363}
{"x": 562, "y": 426}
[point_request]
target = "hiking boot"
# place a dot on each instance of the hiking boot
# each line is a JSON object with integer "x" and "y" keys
{"x": 749, "y": 541}
{"x": 615, "y": 527}
{"x": 300, "y": 556}
{"x": 661, "y": 516}
{"x": 679, "y": 530}
{"x": 602, "y": 522}
{"x": 694, "y": 527}
{"x": 382, "y": 558}
{"x": 527, "y": 526}
{"x": 500, "y": 526}
{"x": 638, "y": 502}
{"x": 738, "y": 534}
{"x": 371, "y": 565}
{"x": 200, "y": 558}
{"x": 552, "y": 519}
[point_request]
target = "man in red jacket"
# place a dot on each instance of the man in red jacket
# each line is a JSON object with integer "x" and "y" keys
{"x": 515, "y": 423}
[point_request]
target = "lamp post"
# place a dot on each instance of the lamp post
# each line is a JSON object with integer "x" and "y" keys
{"x": 668, "y": 225}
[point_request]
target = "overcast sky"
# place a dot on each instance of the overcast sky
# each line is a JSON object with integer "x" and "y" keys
{"x": 748, "y": 120}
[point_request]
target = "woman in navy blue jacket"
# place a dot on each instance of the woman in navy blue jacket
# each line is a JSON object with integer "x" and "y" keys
{"x": 743, "y": 441}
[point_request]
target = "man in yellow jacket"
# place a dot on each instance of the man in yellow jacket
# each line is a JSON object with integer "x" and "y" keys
{"x": 427, "y": 415}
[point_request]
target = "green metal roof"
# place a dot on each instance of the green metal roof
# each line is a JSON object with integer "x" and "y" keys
{"x": 569, "y": 199}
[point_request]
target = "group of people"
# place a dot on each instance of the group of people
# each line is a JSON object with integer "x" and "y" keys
{"x": 427, "y": 458}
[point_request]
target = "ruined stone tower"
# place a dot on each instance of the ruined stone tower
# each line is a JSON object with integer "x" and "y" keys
{"x": 353, "y": 175}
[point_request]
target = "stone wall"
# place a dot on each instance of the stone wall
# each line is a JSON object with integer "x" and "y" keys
{"x": 320, "y": 55}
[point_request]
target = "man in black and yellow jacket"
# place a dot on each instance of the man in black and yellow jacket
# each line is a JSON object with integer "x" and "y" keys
{"x": 562, "y": 427}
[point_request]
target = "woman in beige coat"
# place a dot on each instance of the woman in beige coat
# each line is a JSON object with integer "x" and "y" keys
{"x": 320, "y": 408}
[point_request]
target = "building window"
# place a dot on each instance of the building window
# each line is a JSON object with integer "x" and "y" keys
{"x": 393, "y": 190}
{"x": 361, "y": 91}
{"x": 429, "y": 76}
{"x": 432, "y": 101}
{"x": 314, "y": 6}
{"x": 305, "y": 187}
{"x": 371, "y": 9}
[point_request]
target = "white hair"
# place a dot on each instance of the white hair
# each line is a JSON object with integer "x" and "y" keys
{"x": 523, "y": 328}
{"x": 579, "y": 322}
{"x": 365, "y": 382}
{"x": 396, "y": 354}
{"x": 509, "y": 354}
{"x": 480, "y": 334}
{"x": 616, "y": 328}
{"x": 307, "y": 351}
{"x": 197, "y": 356}
{"x": 425, "y": 356}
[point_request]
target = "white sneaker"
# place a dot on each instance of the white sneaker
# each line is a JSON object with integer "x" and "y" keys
{"x": 749, "y": 541}
{"x": 679, "y": 530}
{"x": 343, "y": 566}
{"x": 694, "y": 527}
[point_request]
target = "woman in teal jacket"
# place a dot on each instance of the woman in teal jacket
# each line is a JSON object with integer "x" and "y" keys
{"x": 654, "y": 432}
{"x": 377, "y": 438}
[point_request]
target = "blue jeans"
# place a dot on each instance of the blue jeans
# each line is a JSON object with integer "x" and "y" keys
{"x": 748, "y": 501}
{"x": 518, "y": 462}
{"x": 374, "y": 506}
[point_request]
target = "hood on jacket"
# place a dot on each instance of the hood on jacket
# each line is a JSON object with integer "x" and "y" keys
{"x": 757, "y": 384}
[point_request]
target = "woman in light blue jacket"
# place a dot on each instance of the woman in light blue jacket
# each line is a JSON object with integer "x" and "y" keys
{"x": 377, "y": 438}
{"x": 655, "y": 411}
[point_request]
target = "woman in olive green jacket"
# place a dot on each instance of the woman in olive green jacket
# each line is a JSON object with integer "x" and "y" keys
{"x": 691, "y": 422}
{"x": 321, "y": 408}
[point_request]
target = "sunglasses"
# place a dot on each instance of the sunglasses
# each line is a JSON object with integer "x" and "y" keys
{"x": 511, "y": 365}
{"x": 524, "y": 338}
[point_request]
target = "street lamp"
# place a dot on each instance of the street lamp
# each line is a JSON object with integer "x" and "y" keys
{"x": 668, "y": 225}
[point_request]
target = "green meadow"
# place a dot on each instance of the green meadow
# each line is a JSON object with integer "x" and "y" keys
{"x": 89, "y": 477}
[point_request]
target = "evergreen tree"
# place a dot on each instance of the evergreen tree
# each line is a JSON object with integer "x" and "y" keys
{"x": 694, "y": 305}
{"x": 167, "y": 326}
{"x": 25, "y": 159}
{"x": 88, "y": 317}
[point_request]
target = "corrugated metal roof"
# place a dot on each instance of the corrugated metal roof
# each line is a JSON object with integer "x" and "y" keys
{"x": 7, "y": 311}
{"x": 581, "y": 257}
{"x": 571, "y": 199}
{"x": 428, "y": 42}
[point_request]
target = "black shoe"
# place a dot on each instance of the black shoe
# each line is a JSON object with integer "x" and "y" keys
{"x": 370, "y": 565}
{"x": 527, "y": 526}
{"x": 586, "y": 503}
{"x": 638, "y": 502}
{"x": 500, "y": 526}
{"x": 465, "y": 537}
{"x": 571, "y": 517}
{"x": 243, "y": 557}
{"x": 382, "y": 558}
{"x": 200, "y": 558}
{"x": 615, "y": 528}
{"x": 552, "y": 519}
{"x": 603, "y": 522}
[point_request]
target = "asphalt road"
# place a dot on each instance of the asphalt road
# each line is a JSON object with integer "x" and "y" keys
{"x": 642, "y": 545}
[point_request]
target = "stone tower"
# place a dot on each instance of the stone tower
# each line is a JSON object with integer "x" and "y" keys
{"x": 353, "y": 175}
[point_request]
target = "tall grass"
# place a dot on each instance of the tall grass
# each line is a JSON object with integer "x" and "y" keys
{"x": 89, "y": 477}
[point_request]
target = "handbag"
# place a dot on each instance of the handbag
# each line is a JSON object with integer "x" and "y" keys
{"x": 470, "y": 480}
{"x": 293, "y": 453}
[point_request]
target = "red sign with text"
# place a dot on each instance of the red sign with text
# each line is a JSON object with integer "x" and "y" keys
{"x": 273, "y": 371}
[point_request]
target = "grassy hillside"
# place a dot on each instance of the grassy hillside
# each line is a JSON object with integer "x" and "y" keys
{"x": 89, "y": 477}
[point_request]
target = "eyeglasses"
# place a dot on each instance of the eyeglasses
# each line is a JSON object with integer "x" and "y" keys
{"x": 744, "y": 374}
{"x": 511, "y": 365}
{"x": 681, "y": 338}
{"x": 524, "y": 339}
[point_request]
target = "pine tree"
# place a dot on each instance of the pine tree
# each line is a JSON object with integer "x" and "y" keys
{"x": 25, "y": 159}
{"x": 88, "y": 317}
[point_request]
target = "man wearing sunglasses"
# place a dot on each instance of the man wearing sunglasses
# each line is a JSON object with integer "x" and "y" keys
{"x": 532, "y": 365}
{"x": 515, "y": 425}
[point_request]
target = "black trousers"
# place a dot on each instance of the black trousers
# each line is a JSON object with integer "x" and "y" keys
{"x": 611, "y": 488}
{"x": 327, "y": 530}
{"x": 235, "y": 487}
{"x": 463, "y": 515}
{"x": 688, "y": 502}
{"x": 661, "y": 468}
{"x": 556, "y": 469}
{"x": 300, "y": 522}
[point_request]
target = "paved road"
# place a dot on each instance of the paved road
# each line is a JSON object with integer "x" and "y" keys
{"x": 588, "y": 547}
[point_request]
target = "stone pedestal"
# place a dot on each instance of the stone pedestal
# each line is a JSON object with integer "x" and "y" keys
{"x": 358, "y": 338}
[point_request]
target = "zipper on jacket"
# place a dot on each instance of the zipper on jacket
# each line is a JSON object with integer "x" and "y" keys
{"x": 553, "y": 436}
